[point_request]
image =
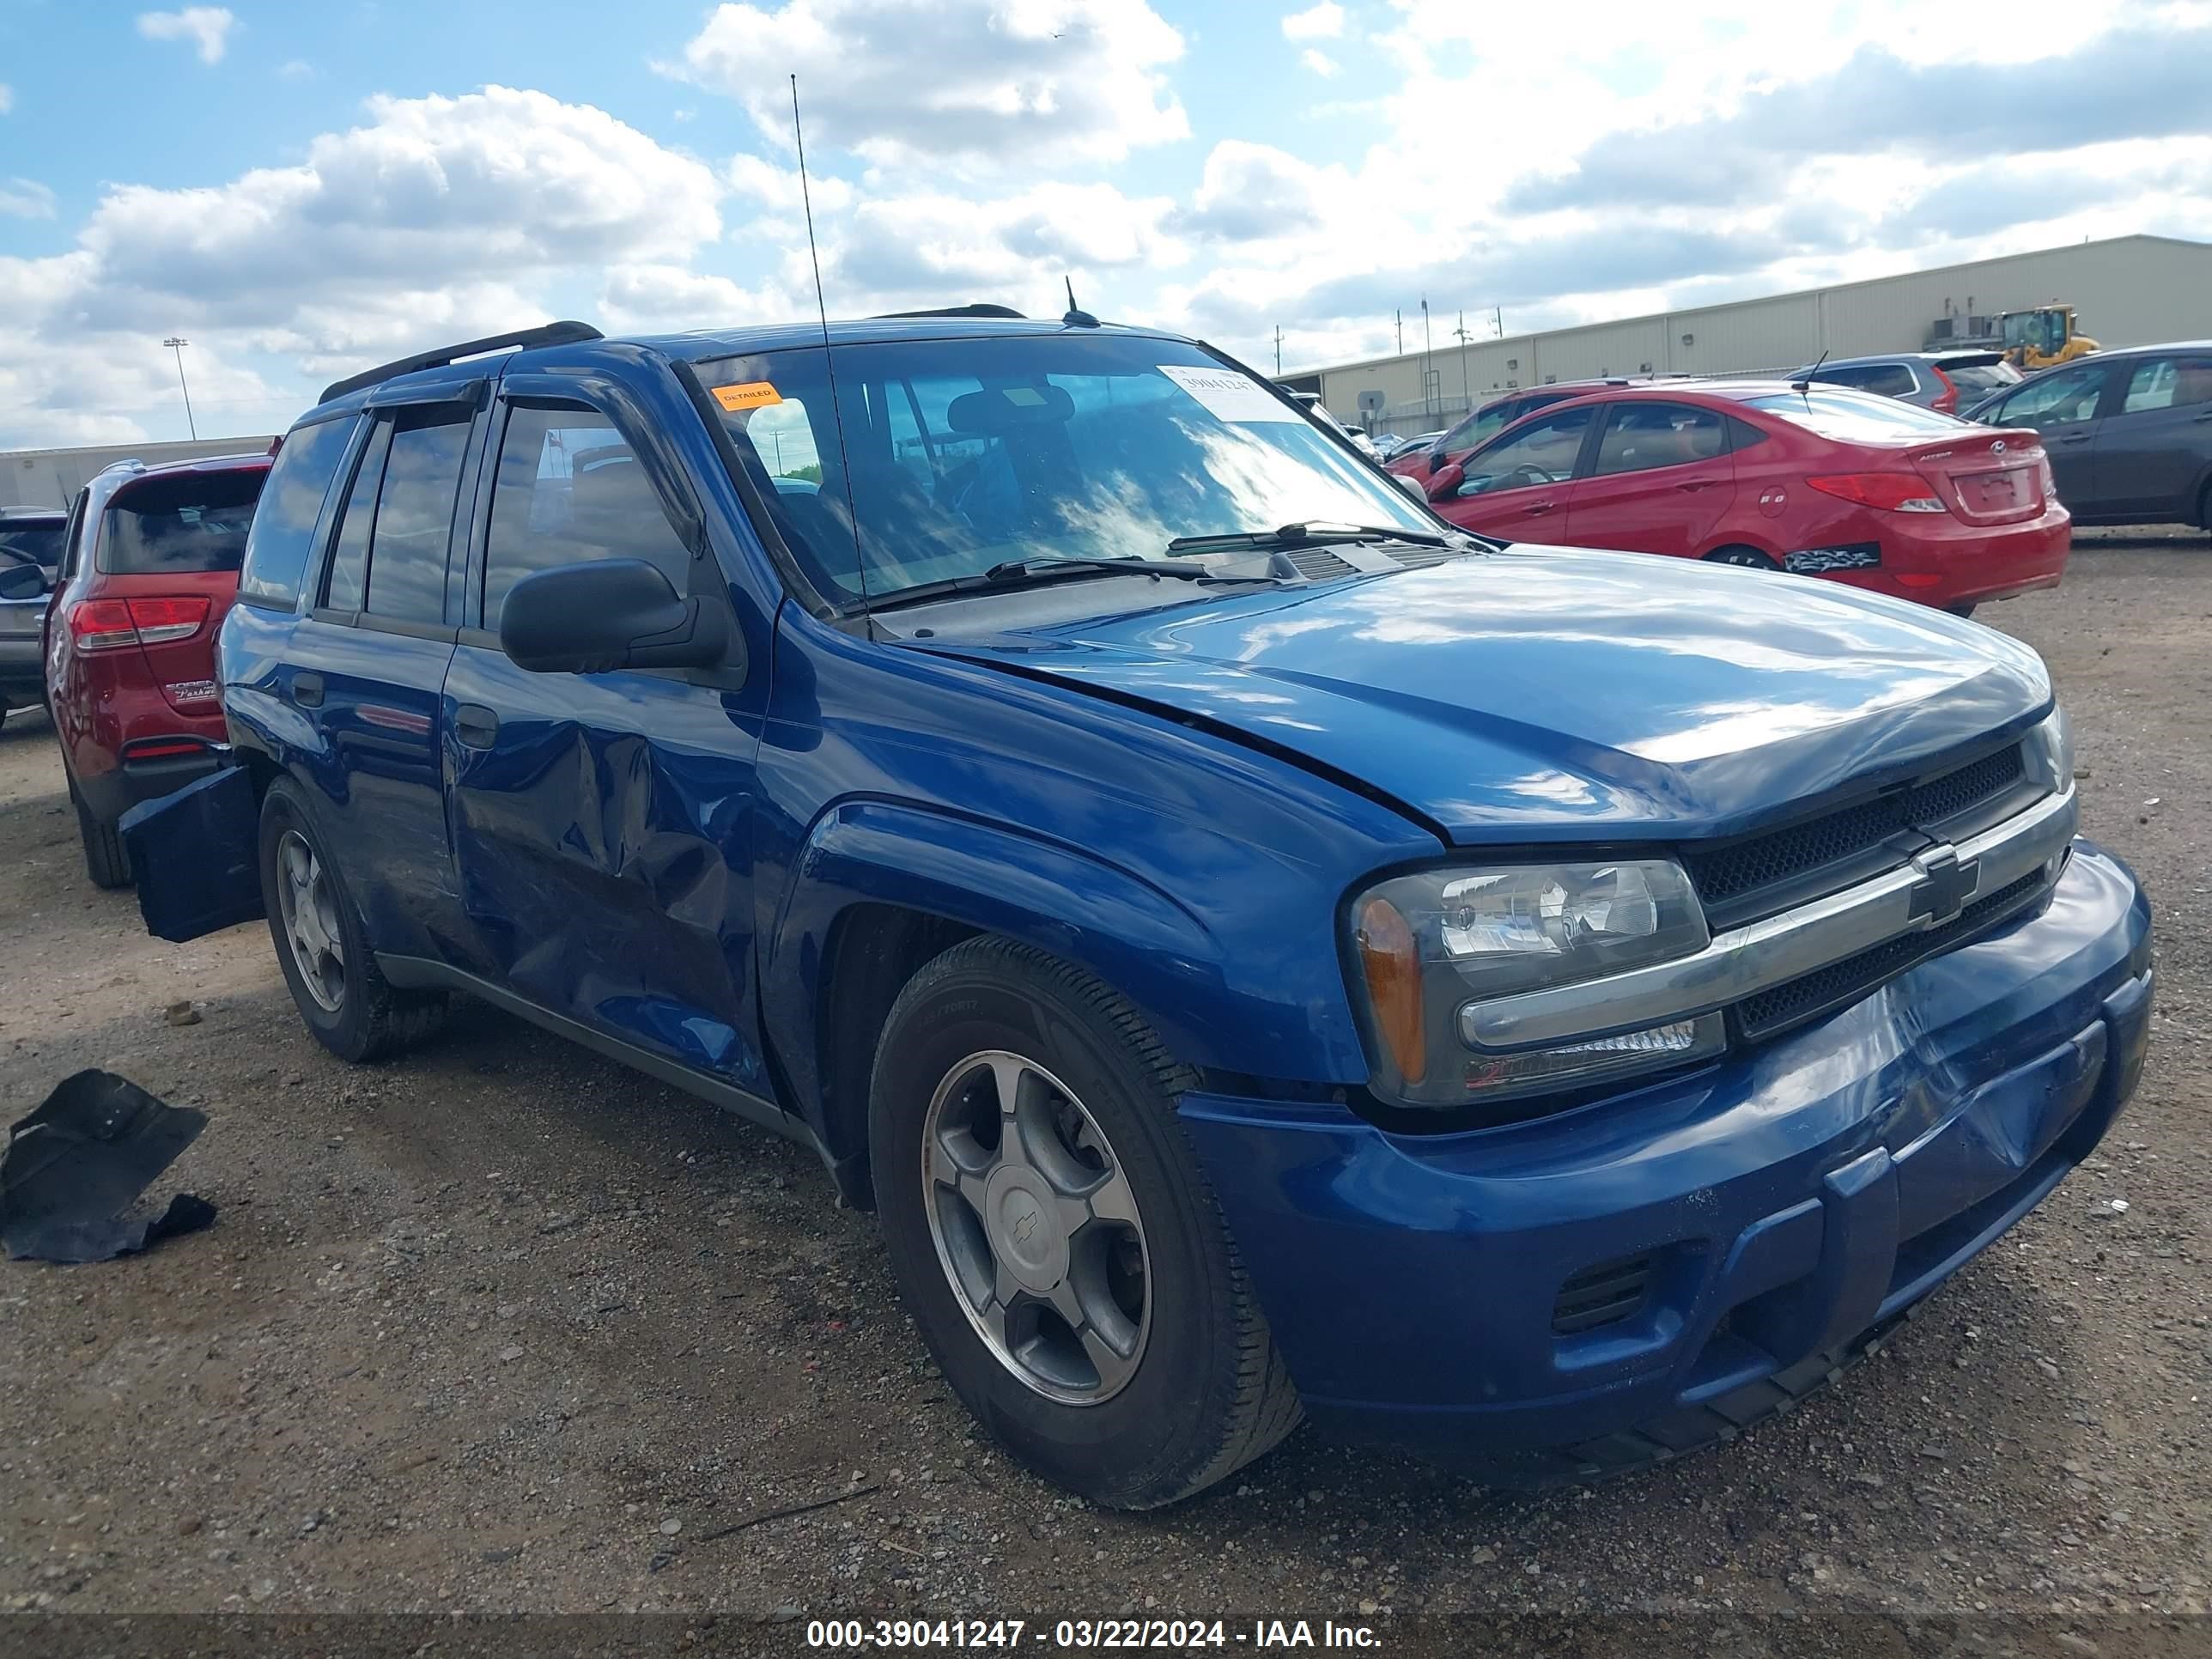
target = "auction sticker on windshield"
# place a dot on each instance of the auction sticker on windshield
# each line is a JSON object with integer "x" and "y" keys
{"x": 1229, "y": 395}
{"x": 751, "y": 394}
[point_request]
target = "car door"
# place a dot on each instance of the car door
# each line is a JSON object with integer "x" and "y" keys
{"x": 1519, "y": 484}
{"x": 2062, "y": 405}
{"x": 1659, "y": 481}
{"x": 602, "y": 823}
{"x": 2153, "y": 448}
{"x": 368, "y": 668}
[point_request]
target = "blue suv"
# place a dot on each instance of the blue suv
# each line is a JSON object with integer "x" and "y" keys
{"x": 1261, "y": 952}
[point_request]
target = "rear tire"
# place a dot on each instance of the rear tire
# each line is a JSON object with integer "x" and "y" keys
{"x": 1098, "y": 1206}
{"x": 323, "y": 948}
{"x": 1745, "y": 558}
{"x": 105, "y": 860}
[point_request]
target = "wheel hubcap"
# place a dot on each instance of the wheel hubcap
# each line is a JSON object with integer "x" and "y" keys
{"x": 309, "y": 908}
{"x": 1037, "y": 1228}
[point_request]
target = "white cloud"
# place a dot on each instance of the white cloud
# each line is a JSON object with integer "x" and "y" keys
{"x": 25, "y": 199}
{"x": 207, "y": 27}
{"x": 1320, "y": 63}
{"x": 1324, "y": 21}
{"x": 296, "y": 69}
{"x": 777, "y": 187}
{"x": 7, "y": 97}
{"x": 1031, "y": 83}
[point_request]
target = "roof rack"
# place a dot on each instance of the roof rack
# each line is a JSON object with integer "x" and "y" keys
{"x": 522, "y": 338}
{"x": 953, "y": 311}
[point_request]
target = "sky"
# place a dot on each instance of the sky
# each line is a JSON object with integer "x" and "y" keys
{"x": 302, "y": 190}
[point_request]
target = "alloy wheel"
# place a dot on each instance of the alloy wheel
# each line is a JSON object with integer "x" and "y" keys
{"x": 309, "y": 903}
{"x": 1037, "y": 1228}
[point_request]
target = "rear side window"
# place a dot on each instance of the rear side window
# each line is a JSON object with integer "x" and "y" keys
{"x": 415, "y": 517}
{"x": 2168, "y": 383}
{"x": 348, "y": 577}
{"x": 284, "y": 521}
{"x": 191, "y": 522}
{"x": 570, "y": 490}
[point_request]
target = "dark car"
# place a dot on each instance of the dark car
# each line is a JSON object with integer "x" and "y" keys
{"x": 151, "y": 568}
{"x": 2129, "y": 432}
{"x": 1257, "y": 948}
{"x": 1945, "y": 381}
{"x": 30, "y": 553}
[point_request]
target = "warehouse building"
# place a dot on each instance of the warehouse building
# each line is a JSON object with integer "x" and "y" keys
{"x": 52, "y": 477}
{"x": 2128, "y": 290}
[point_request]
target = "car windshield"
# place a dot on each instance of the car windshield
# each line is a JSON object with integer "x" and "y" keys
{"x": 40, "y": 544}
{"x": 193, "y": 521}
{"x": 1853, "y": 418}
{"x": 955, "y": 456}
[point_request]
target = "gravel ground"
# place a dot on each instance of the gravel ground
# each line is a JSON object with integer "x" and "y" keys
{"x": 501, "y": 1328}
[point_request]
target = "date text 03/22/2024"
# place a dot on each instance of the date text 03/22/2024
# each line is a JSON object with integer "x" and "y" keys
{"x": 1170, "y": 1634}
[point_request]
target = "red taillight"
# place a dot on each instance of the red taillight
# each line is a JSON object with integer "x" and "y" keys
{"x": 168, "y": 619}
{"x": 101, "y": 625}
{"x": 111, "y": 624}
{"x": 1893, "y": 492}
{"x": 1946, "y": 401}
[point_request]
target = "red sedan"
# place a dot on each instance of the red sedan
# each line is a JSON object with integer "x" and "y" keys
{"x": 1819, "y": 480}
{"x": 148, "y": 571}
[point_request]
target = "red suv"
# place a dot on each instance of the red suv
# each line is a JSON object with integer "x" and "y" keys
{"x": 148, "y": 572}
{"x": 1803, "y": 477}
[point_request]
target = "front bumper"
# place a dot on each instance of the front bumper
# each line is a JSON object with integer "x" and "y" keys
{"x": 1776, "y": 1206}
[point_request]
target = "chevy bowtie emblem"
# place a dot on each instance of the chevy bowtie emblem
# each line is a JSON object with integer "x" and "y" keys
{"x": 1945, "y": 884}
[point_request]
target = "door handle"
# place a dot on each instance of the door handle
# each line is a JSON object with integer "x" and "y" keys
{"x": 2205, "y": 416}
{"x": 2077, "y": 437}
{"x": 307, "y": 690}
{"x": 1696, "y": 484}
{"x": 476, "y": 725}
{"x": 1540, "y": 507}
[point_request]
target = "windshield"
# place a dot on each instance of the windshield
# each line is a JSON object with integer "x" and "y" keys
{"x": 193, "y": 521}
{"x": 1853, "y": 417}
{"x": 960, "y": 455}
{"x": 40, "y": 544}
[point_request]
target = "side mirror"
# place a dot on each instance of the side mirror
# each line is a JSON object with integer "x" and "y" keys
{"x": 1445, "y": 481}
{"x": 1412, "y": 486}
{"x": 21, "y": 582}
{"x": 610, "y": 613}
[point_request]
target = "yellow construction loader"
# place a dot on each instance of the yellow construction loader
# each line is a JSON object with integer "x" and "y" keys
{"x": 2040, "y": 339}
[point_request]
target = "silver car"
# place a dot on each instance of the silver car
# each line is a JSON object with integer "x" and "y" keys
{"x": 1945, "y": 381}
{"x": 30, "y": 551}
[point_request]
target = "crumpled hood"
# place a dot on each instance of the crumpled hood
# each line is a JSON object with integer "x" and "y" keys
{"x": 1562, "y": 693}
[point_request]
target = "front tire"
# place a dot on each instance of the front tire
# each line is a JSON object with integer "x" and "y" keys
{"x": 322, "y": 946}
{"x": 1054, "y": 1237}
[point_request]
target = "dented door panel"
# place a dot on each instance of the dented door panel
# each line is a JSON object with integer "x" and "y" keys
{"x": 601, "y": 825}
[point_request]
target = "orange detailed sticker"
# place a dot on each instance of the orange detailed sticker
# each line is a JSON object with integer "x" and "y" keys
{"x": 752, "y": 394}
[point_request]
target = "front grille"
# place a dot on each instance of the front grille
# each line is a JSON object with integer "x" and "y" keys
{"x": 1766, "y": 1012}
{"x": 1824, "y": 854}
{"x": 1603, "y": 1295}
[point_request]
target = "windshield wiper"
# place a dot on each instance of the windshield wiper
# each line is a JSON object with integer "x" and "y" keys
{"x": 1308, "y": 535}
{"x": 1022, "y": 573}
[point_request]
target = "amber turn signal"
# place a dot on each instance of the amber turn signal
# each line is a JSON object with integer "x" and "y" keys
{"x": 1392, "y": 966}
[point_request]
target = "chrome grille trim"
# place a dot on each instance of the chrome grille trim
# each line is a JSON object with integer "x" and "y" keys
{"x": 1761, "y": 955}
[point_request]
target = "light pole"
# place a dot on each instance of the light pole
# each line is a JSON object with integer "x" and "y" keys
{"x": 177, "y": 344}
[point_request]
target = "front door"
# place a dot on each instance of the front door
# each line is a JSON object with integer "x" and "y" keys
{"x": 2153, "y": 448}
{"x": 2062, "y": 405}
{"x": 1659, "y": 482}
{"x": 602, "y": 822}
{"x": 1520, "y": 485}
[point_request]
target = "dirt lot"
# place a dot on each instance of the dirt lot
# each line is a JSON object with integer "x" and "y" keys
{"x": 501, "y": 1327}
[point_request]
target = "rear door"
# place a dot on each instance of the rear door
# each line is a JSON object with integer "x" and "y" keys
{"x": 370, "y": 660}
{"x": 1519, "y": 485}
{"x": 2062, "y": 405}
{"x": 602, "y": 822}
{"x": 2153, "y": 447}
{"x": 1659, "y": 480}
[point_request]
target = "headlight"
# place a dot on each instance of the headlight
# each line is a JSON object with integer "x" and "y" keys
{"x": 1430, "y": 943}
{"x": 2051, "y": 752}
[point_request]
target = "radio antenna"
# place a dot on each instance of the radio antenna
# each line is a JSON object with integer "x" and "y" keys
{"x": 830, "y": 361}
